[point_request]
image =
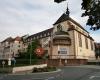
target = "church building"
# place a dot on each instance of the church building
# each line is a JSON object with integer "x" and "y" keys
{"x": 67, "y": 41}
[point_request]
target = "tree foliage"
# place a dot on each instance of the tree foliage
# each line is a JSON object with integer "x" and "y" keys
{"x": 32, "y": 47}
{"x": 58, "y": 1}
{"x": 92, "y": 10}
{"x": 30, "y": 51}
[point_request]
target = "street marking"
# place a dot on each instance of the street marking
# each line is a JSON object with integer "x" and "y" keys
{"x": 3, "y": 77}
{"x": 50, "y": 78}
{"x": 36, "y": 79}
{"x": 91, "y": 77}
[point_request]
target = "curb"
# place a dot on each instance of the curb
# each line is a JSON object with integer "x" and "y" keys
{"x": 87, "y": 66}
{"x": 58, "y": 70}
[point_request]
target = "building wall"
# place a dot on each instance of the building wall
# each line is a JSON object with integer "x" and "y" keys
{"x": 82, "y": 52}
{"x": 72, "y": 36}
{"x": 75, "y": 50}
{"x": 70, "y": 48}
{"x": 57, "y": 55}
{"x": 11, "y": 49}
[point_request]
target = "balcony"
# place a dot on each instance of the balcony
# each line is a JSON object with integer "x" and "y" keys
{"x": 61, "y": 38}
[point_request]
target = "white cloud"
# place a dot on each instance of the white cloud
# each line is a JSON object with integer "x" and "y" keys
{"x": 19, "y": 17}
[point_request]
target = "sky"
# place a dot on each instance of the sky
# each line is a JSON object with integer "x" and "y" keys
{"x": 21, "y": 17}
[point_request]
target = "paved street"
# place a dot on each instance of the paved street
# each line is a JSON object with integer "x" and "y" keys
{"x": 66, "y": 73}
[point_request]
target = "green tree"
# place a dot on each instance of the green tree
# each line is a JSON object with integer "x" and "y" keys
{"x": 58, "y": 1}
{"x": 30, "y": 51}
{"x": 92, "y": 10}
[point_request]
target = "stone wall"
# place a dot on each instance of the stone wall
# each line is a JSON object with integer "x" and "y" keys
{"x": 27, "y": 68}
{"x": 66, "y": 62}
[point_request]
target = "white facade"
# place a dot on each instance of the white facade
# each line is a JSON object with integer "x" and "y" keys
{"x": 11, "y": 48}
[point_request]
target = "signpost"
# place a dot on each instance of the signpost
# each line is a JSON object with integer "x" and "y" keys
{"x": 3, "y": 63}
{"x": 9, "y": 62}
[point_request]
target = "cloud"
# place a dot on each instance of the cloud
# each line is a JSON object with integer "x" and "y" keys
{"x": 19, "y": 17}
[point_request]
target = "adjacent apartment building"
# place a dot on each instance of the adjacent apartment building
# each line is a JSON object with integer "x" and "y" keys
{"x": 66, "y": 41}
{"x": 10, "y": 47}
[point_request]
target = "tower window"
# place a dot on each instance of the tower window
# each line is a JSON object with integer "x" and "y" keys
{"x": 91, "y": 45}
{"x": 86, "y": 43}
{"x": 59, "y": 28}
{"x": 80, "y": 39}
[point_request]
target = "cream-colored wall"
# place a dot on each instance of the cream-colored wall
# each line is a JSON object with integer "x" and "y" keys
{"x": 15, "y": 47}
{"x": 74, "y": 49}
{"x": 71, "y": 51}
{"x": 82, "y": 52}
{"x": 10, "y": 48}
{"x": 27, "y": 68}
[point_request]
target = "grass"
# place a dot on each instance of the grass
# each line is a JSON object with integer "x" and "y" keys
{"x": 6, "y": 70}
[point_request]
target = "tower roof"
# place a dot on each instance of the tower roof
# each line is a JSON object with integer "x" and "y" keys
{"x": 65, "y": 17}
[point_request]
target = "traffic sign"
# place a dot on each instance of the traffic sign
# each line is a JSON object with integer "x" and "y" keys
{"x": 9, "y": 61}
{"x": 3, "y": 62}
{"x": 39, "y": 51}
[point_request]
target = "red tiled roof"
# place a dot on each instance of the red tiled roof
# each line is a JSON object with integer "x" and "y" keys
{"x": 9, "y": 39}
{"x": 18, "y": 38}
{"x": 43, "y": 32}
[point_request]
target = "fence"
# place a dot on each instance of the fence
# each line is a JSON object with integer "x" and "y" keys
{"x": 52, "y": 60}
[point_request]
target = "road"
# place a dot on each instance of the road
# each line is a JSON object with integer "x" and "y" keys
{"x": 66, "y": 73}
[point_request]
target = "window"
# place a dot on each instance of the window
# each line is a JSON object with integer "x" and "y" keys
{"x": 31, "y": 39}
{"x": 59, "y": 28}
{"x": 45, "y": 35}
{"x": 86, "y": 42}
{"x": 80, "y": 39}
{"x": 40, "y": 36}
{"x": 91, "y": 45}
{"x": 34, "y": 38}
{"x": 37, "y": 37}
{"x": 48, "y": 34}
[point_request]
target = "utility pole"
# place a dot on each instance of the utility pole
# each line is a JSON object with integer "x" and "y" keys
{"x": 31, "y": 53}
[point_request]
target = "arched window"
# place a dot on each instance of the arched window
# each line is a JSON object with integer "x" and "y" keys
{"x": 80, "y": 40}
{"x": 59, "y": 28}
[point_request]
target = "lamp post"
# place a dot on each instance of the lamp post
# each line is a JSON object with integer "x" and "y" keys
{"x": 30, "y": 53}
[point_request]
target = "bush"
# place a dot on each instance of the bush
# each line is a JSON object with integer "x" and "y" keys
{"x": 45, "y": 69}
{"x": 5, "y": 70}
{"x": 35, "y": 70}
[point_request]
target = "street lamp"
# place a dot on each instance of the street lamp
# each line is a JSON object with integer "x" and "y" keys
{"x": 30, "y": 53}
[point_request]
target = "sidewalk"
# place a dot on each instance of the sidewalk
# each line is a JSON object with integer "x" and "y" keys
{"x": 90, "y": 66}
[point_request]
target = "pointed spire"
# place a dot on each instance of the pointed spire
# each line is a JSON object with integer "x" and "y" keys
{"x": 67, "y": 10}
